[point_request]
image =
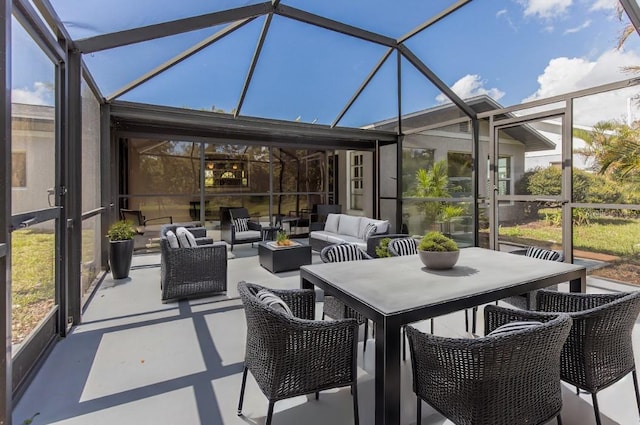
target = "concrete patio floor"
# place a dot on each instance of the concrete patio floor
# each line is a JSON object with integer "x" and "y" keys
{"x": 135, "y": 360}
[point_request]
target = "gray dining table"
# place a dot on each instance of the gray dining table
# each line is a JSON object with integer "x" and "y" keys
{"x": 395, "y": 291}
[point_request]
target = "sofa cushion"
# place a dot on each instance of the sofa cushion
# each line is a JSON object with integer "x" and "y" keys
{"x": 514, "y": 327}
{"x": 349, "y": 225}
{"x": 331, "y": 225}
{"x": 172, "y": 239}
{"x": 321, "y": 235}
{"x": 249, "y": 234}
{"x": 344, "y": 252}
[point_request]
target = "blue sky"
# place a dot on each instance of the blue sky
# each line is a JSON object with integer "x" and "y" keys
{"x": 513, "y": 50}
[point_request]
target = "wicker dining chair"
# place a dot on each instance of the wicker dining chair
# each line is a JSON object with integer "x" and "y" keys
{"x": 599, "y": 350}
{"x": 293, "y": 355}
{"x": 333, "y": 307}
{"x": 506, "y": 379}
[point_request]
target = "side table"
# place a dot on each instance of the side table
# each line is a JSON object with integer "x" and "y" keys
{"x": 269, "y": 233}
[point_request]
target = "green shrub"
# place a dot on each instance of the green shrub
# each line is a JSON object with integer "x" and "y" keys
{"x": 436, "y": 241}
{"x": 121, "y": 231}
{"x": 382, "y": 250}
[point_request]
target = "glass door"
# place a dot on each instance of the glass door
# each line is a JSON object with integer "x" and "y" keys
{"x": 525, "y": 182}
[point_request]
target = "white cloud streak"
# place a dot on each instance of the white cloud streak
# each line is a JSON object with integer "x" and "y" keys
{"x": 579, "y": 28}
{"x": 564, "y": 75}
{"x": 603, "y": 5}
{"x": 470, "y": 86}
{"x": 40, "y": 94}
{"x": 545, "y": 9}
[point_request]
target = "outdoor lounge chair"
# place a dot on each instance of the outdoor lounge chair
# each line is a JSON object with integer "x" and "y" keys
{"x": 140, "y": 221}
{"x": 332, "y": 306}
{"x": 599, "y": 350}
{"x": 241, "y": 228}
{"x": 187, "y": 272}
{"x": 505, "y": 379}
{"x": 289, "y": 353}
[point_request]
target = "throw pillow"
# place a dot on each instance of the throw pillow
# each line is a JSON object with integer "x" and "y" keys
{"x": 344, "y": 252}
{"x": 331, "y": 225}
{"x": 241, "y": 224}
{"x": 185, "y": 238}
{"x": 543, "y": 254}
{"x": 369, "y": 231}
{"x": 404, "y": 246}
{"x": 172, "y": 239}
{"x": 514, "y": 327}
{"x": 273, "y": 301}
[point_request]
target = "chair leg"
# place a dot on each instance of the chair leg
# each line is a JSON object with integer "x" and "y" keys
{"x": 404, "y": 343}
{"x": 242, "y": 387}
{"x": 577, "y": 391}
{"x": 317, "y": 395}
{"x": 418, "y": 411}
{"x": 474, "y": 311}
{"x": 354, "y": 394}
{"x": 596, "y": 409}
{"x": 431, "y": 326}
{"x": 366, "y": 335}
{"x": 466, "y": 320}
{"x": 270, "y": 413}
{"x": 635, "y": 385}
{"x": 559, "y": 419}
{"x": 323, "y": 315}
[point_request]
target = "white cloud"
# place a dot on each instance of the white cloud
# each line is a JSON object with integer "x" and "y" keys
{"x": 604, "y": 5}
{"x": 585, "y": 25}
{"x": 545, "y": 9}
{"x": 504, "y": 14}
{"x": 563, "y": 75}
{"x": 41, "y": 94}
{"x": 470, "y": 86}
{"x": 501, "y": 12}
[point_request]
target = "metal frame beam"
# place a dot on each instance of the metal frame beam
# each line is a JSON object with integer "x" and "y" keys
{"x": 446, "y": 12}
{"x": 51, "y": 17}
{"x": 330, "y": 24}
{"x": 633, "y": 12}
{"x": 364, "y": 84}
{"x": 179, "y": 58}
{"x": 179, "y": 26}
{"x": 73, "y": 183}
{"x": 6, "y": 391}
{"x": 431, "y": 76}
{"x": 28, "y": 17}
{"x": 254, "y": 62}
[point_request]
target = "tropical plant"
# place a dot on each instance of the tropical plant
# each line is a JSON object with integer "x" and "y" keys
{"x": 432, "y": 183}
{"x": 282, "y": 239}
{"x": 436, "y": 241}
{"x": 121, "y": 231}
{"x": 382, "y": 250}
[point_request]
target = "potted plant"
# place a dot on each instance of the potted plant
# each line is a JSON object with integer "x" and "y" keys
{"x": 282, "y": 239}
{"x": 437, "y": 251}
{"x": 120, "y": 236}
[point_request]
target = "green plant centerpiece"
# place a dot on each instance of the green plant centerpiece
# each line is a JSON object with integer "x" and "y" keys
{"x": 282, "y": 239}
{"x": 438, "y": 252}
{"x": 121, "y": 234}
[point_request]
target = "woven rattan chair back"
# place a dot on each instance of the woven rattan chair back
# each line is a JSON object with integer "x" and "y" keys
{"x": 599, "y": 350}
{"x": 295, "y": 355}
{"x": 471, "y": 381}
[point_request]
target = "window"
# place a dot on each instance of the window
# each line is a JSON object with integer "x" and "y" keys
{"x": 460, "y": 172}
{"x": 18, "y": 169}
{"x": 356, "y": 180}
{"x": 504, "y": 175}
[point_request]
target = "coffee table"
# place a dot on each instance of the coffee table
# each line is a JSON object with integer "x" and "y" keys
{"x": 280, "y": 259}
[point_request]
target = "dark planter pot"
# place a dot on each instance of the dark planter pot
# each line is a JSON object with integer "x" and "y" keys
{"x": 120, "y": 253}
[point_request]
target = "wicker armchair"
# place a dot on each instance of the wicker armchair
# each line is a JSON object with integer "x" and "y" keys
{"x": 292, "y": 356}
{"x": 332, "y": 306}
{"x": 507, "y": 379}
{"x": 599, "y": 351}
{"x": 194, "y": 271}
